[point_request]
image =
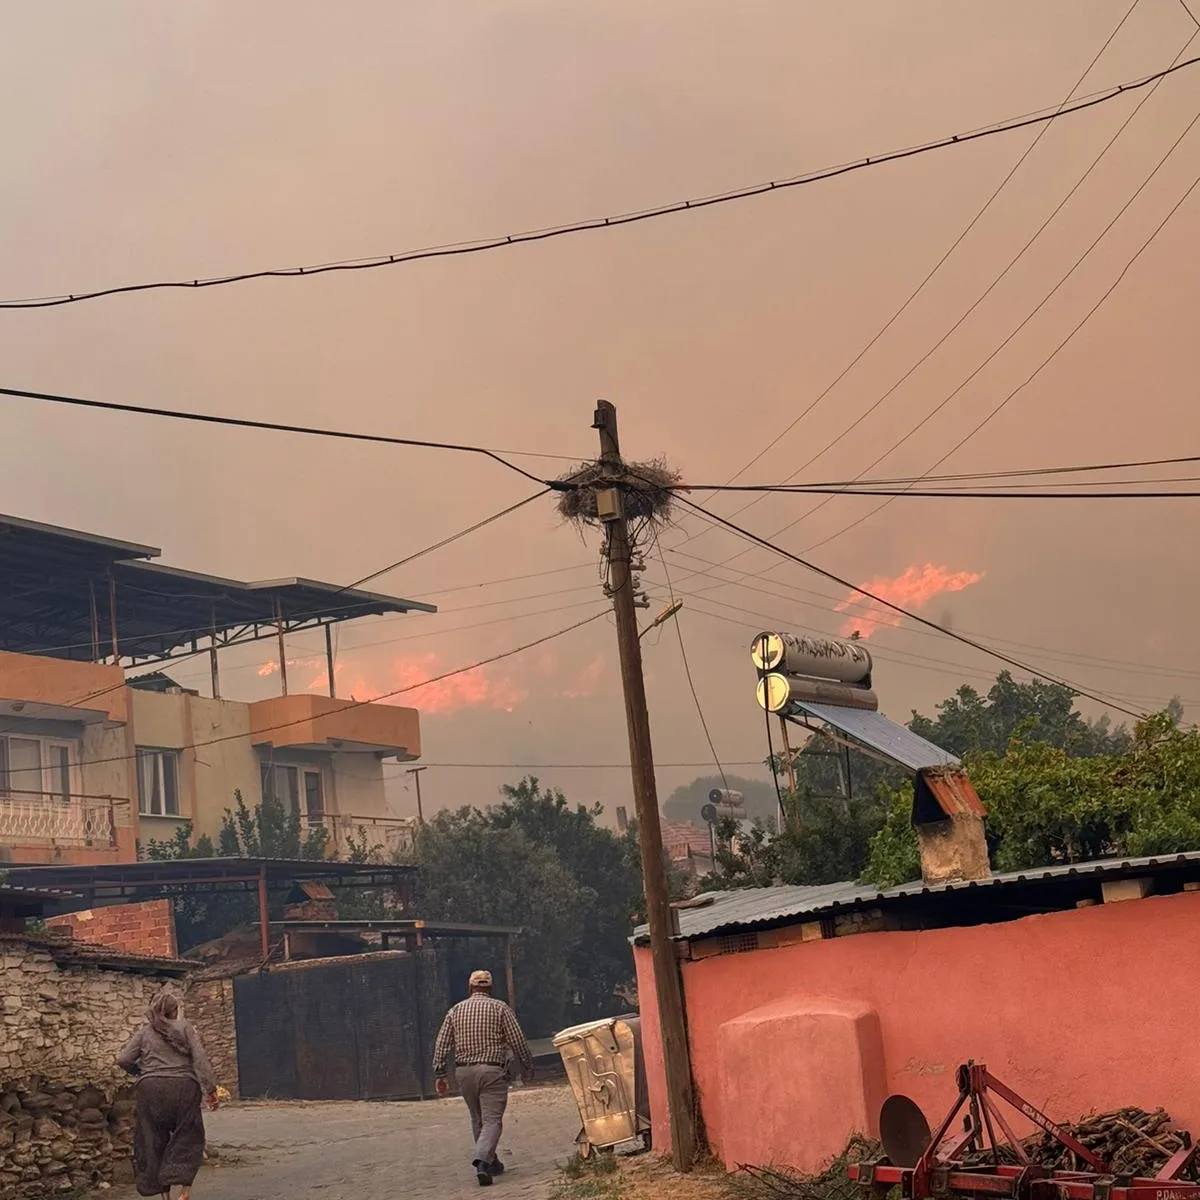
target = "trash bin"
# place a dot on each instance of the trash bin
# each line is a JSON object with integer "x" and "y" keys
{"x": 603, "y": 1062}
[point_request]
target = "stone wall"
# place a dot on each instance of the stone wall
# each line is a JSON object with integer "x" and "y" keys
{"x": 66, "y": 1109}
{"x": 146, "y": 928}
{"x": 208, "y": 1004}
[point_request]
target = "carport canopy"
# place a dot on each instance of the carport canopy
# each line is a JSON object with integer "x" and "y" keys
{"x": 128, "y": 883}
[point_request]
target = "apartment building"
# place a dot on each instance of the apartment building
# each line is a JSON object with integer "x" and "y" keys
{"x": 101, "y": 751}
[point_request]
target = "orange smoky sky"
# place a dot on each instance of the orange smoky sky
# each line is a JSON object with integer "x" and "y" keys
{"x": 913, "y": 588}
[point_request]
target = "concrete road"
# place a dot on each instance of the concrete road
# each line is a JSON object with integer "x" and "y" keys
{"x": 371, "y": 1151}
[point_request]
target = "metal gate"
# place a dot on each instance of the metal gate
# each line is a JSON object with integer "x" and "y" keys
{"x": 348, "y": 1029}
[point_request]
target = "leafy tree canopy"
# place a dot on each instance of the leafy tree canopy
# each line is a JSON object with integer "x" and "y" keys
{"x": 536, "y": 861}
{"x": 1058, "y": 788}
{"x": 267, "y": 830}
{"x": 1047, "y": 806}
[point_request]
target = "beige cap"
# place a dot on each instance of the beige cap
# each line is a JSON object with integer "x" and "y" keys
{"x": 480, "y": 979}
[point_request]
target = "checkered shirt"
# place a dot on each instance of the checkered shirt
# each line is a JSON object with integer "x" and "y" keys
{"x": 480, "y": 1030}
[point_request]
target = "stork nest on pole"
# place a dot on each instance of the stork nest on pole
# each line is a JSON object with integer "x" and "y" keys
{"x": 647, "y": 489}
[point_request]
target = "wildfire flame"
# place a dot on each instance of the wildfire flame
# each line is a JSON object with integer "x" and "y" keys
{"x": 914, "y": 587}
{"x": 272, "y": 666}
{"x": 479, "y": 688}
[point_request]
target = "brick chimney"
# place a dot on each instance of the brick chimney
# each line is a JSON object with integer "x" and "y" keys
{"x": 948, "y": 817}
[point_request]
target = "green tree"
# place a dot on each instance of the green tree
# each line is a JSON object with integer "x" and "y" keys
{"x": 1046, "y": 805}
{"x": 832, "y": 836}
{"x": 475, "y": 871}
{"x": 265, "y": 831}
{"x": 601, "y": 863}
{"x": 1039, "y": 711}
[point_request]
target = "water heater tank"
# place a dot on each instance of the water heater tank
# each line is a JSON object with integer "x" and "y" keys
{"x": 815, "y": 657}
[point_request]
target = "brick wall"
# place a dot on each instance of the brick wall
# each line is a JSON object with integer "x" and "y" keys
{"x": 146, "y": 928}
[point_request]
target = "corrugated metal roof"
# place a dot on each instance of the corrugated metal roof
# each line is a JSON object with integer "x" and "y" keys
{"x": 880, "y": 733}
{"x": 760, "y": 906}
{"x": 10, "y": 891}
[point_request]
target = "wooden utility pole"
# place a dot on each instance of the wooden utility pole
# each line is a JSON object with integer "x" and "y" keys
{"x": 667, "y": 983}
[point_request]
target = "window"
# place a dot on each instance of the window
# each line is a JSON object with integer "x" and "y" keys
{"x": 299, "y": 789}
{"x": 38, "y": 768}
{"x": 158, "y": 782}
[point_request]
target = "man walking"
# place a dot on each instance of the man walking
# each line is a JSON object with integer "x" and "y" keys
{"x": 481, "y": 1032}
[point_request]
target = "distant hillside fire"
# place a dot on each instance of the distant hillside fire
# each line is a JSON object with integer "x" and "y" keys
{"x": 913, "y": 588}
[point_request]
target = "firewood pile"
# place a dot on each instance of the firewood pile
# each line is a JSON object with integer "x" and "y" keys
{"x": 1131, "y": 1140}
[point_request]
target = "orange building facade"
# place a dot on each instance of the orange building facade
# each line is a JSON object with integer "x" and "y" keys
{"x": 100, "y": 754}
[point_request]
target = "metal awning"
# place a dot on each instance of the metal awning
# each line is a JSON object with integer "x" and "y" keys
{"x": 120, "y": 883}
{"x": 435, "y": 929}
{"x": 70, "y": 594}
{"x": 125, "y": 883}
{"x": 874, "y": 731}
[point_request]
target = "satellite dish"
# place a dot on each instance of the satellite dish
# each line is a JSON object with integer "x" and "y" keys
{"x": 903, "y": 1131}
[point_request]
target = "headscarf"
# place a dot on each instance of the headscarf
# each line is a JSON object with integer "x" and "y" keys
{"x": 162, "y": 1014}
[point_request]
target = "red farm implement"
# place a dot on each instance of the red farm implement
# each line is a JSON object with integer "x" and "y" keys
{"x": 969, "y": 1163}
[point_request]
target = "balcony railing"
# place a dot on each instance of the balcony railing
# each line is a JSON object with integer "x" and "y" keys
{"x": 43, "y": 817}
{"x": 382, "y": 837}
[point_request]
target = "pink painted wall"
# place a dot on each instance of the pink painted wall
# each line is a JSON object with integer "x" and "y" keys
{"x": 1080, "y": 1010}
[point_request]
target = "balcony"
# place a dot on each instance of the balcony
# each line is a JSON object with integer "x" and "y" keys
{"x": 310, "y": 722}
{"x": 39, "y": 827}
{"x": 57, "y": 689}
{"x": 381, "y": 837}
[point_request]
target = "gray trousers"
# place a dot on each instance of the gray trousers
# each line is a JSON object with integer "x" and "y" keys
{"x": 485, "y": 1089}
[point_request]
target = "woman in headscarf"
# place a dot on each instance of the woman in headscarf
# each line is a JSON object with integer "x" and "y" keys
{"x": 173, "y": 1076}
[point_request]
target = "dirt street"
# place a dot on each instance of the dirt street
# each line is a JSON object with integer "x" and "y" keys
{"x": 370, "y": 1151}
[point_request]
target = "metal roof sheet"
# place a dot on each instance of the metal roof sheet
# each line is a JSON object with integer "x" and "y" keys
{"x": 59, "y": 537}
{"x": 881, "y": 733}
{"x": 760, "y": 906}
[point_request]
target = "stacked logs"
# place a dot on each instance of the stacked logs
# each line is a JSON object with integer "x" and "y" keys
{"x": 1131, "y": 1140}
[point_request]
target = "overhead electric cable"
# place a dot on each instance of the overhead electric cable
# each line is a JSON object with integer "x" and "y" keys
{"x": 280, "y": 427}
{"x": 610, "y": 222}
{"x": 937, "y": 266}
{"x": 905, "y": 612}
{"x": 874, "y": 406}
{"x": 348, "y": 705}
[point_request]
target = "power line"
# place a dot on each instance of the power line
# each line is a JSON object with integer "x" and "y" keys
{"x": 921, "y": 662}
{"x": 687, "y": 670}
{"x": 627, "y": 218}
{"x": 454, "y": 537}
{"x": 463, "y": 587}
{"x": 972, "y": 308}
{"x": 1045, "y": 361}
{"x": 317, "y": 612}
{"x": 410, "y": 637}
{"x": 937, "y": 266}
{"x": 279, "y": 427}
{"x": 1045, "y": 300}
{"x": 905, "y": 612}
{"x": 1074, "y": 658}
{"x": 1025, "y": 321}
{"x": 1008, "y": 473}
{"x": 350, "y": 704}
{"x": 576, "y": 766}
{"x": 956, "y": 494}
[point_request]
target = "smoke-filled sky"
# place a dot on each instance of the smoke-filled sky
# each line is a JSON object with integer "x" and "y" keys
{"x": 144, "y": 140}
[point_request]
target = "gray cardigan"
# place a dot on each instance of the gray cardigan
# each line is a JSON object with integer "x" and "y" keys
{"x": 148, "y": 1054}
